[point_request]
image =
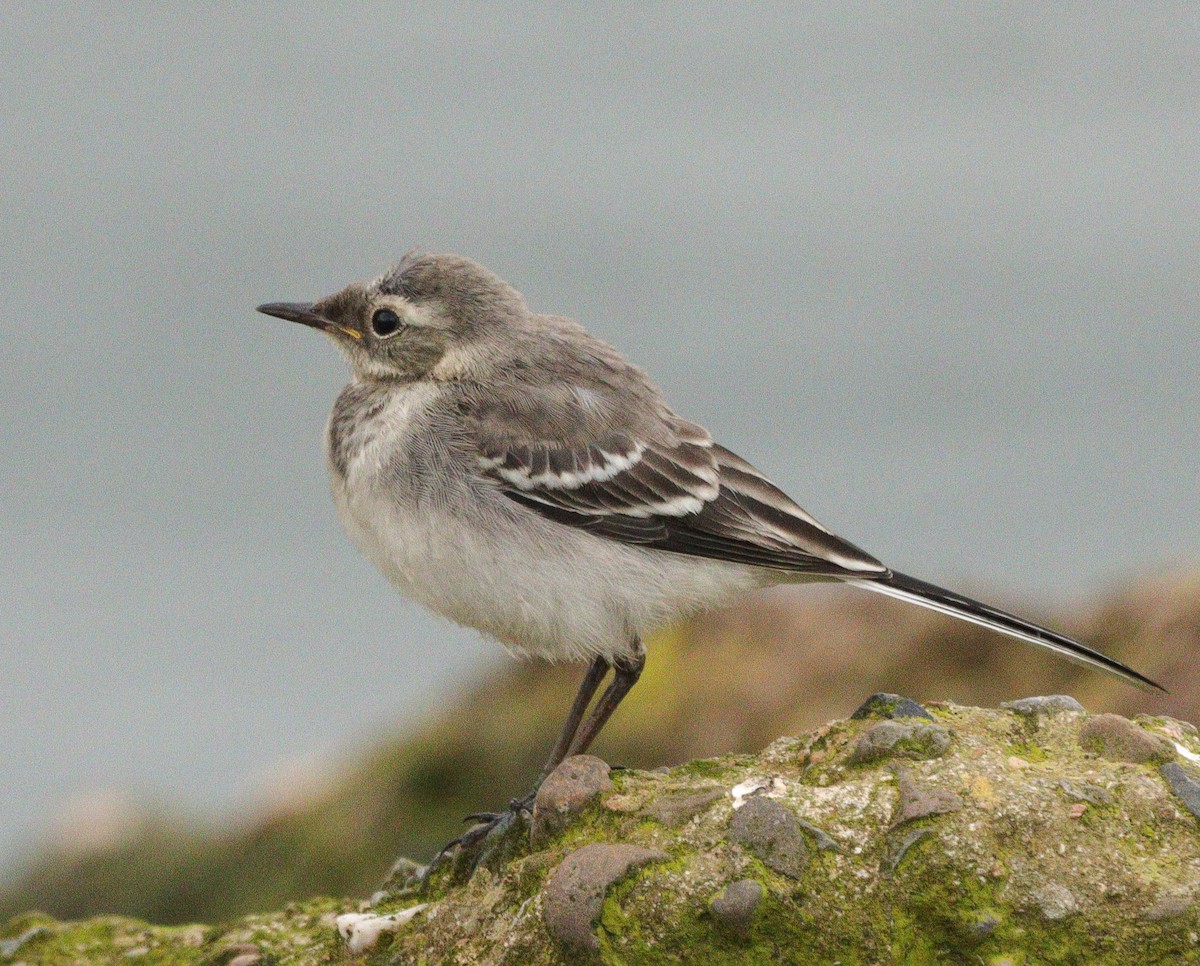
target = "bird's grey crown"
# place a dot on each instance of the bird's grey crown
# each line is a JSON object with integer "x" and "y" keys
{"x": 453, "y": 280}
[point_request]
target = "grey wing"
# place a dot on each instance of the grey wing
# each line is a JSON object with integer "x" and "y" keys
{"x": 624, "y": 467}
{"x": 666, "y": 485}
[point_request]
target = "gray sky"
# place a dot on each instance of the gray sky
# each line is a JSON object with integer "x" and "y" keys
{"x": 935, "y": 271}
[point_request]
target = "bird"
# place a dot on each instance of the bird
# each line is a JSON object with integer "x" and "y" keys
{"x": 515, "y": 474}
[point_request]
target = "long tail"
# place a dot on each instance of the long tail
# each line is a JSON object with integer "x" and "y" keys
{"x": 915, "y": 591}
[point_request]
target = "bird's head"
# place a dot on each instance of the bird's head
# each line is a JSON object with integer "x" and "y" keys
{"x": 429, "y": 314}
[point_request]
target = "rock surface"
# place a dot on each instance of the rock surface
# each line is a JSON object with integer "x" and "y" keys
{"x": 771, "y": 832}
{"x": 1119, "y": 739}
{"x": 1044, "y": 705}
{"x": 565, "y": 793}
{"x": 1018, "y": 840}
{"x": 576, "y": 889}
{"x": 737, "y": 903}
{"x": 884, "y": 705}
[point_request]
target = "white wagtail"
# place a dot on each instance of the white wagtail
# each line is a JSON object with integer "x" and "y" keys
{"x": 517, "y": 475}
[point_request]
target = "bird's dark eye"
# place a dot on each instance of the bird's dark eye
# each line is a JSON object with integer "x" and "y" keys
{"x": 384, "y": 322}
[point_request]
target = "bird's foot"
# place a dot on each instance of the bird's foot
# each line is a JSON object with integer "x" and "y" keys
{"x": 517, "y": 806}
{"x": 487, "y": 836}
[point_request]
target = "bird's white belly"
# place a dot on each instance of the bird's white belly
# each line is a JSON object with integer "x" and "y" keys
{"x": 582, "y": 597}
{"x": 461, "y": 548}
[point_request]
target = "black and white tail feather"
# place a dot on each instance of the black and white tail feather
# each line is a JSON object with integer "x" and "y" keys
{"x": 665, "y": 485}
{"x": 915, "y": 591}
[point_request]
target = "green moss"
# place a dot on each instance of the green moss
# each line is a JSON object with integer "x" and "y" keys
{"x": 703, "y": 768}
{"x": 18, "y": 925}
{"x": 688, "y": 933}
{"x": 1028, "y": 751}
{"x": 970, "y": 891}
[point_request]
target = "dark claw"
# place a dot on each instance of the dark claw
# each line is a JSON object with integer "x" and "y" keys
{"x": 522, "y": 804}
{"x": 474, "y": 839}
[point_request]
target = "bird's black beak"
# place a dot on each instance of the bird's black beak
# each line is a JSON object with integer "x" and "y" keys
{"x": 302, "y": 312}
{"x": 305, "y": 313}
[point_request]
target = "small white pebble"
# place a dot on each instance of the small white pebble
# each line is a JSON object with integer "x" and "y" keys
{"x": 362, "y": 931}
{"x": 136, "y": 952}
{"x": 768, "y": 787}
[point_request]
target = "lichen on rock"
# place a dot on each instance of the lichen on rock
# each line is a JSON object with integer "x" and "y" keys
{"x": 891, "y": 739}
{"x": 981, "y": 836}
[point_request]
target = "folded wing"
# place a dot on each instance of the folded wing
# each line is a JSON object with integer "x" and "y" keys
{"x": 661, "y": 482}
{"x": 670, "y": 488}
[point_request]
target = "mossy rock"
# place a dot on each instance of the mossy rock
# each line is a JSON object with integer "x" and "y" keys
{"x": 1058, "y": 856}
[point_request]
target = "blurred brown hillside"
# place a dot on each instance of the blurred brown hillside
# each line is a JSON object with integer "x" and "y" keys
{"x": 777, "y": 664}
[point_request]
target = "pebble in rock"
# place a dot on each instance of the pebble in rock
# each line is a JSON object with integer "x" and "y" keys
{"x": 917, "y": 801}
{"x": 361, "y": 931}
{"x": 674, "y": 810}
{"x": 574, "y": 895}
{"x": 891, "y": 739}
{"x": 1046, "y": 704}
{"x": 770, "y": 830}
{"x": 884, "y": 705}
{"x": 1083, "y": 792}
{"x": 239, "y": 954}
{"x": 1171, "y": 906}
{"x": 1056, "y": 901}
{"x": 1183, "y": 786}
{"x": 565, "y": 793}
{"x": 736, "y": 905}
{"x": 1119, "y": 739}
{"x": 900, "y": 849}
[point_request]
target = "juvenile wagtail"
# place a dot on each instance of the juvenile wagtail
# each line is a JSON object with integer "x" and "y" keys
{"x": 515, "y": 474}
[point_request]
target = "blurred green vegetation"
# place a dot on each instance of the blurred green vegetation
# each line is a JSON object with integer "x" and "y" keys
{"x": 779, "y": 663}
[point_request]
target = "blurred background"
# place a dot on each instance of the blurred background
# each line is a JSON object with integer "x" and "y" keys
{"x": 933, "y": 269}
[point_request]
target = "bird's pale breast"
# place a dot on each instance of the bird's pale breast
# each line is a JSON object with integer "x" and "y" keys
{"x": 444, "y": 535}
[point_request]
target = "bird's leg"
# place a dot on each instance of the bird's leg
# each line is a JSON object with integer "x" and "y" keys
{"x": 577, "y": 737}
{"x": 626, "y": 671}
{"x": 583, "y": 697}
{"x": 488, "y": 823}
{"x": 587, "y": 689}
